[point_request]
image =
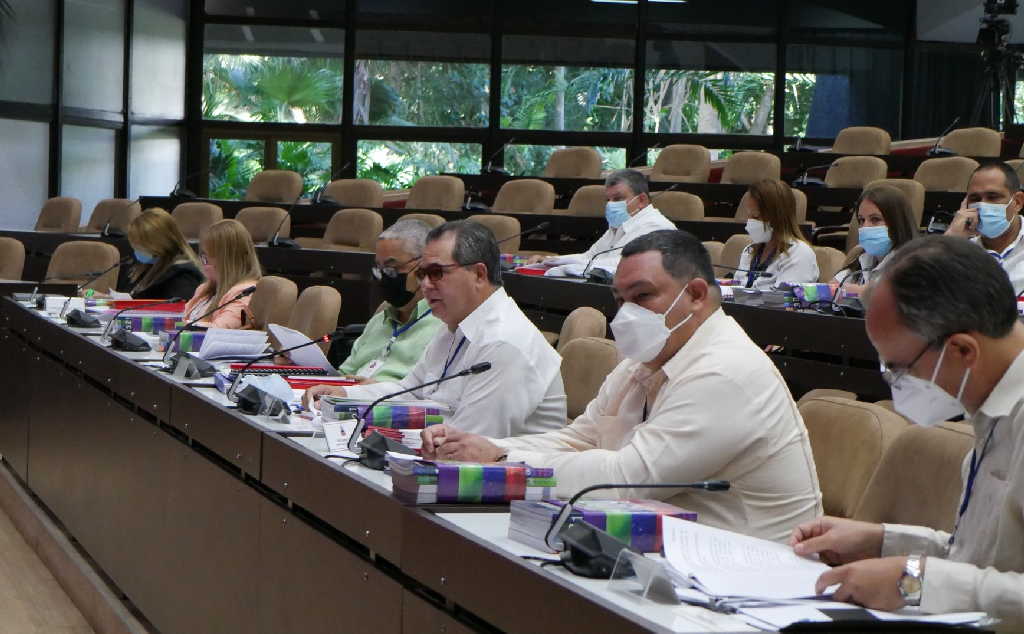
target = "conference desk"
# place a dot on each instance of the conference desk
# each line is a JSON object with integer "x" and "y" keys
{"x": 207, "y": 521}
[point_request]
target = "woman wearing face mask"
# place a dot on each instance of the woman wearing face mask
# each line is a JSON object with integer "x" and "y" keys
{"x": 165, "y": 265}
{"x": 779, "y": 252}
{"x": 230, "y": 266}
{"x": 885, "y": 224}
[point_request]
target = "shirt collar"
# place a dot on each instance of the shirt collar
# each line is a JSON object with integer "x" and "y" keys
{"x": 473, "y": 326}
{"x": 700, "y": 338}
{"x": 392, "y": 313}
{"x": 1007, "y": 392}
{"x": 636, "y": 218}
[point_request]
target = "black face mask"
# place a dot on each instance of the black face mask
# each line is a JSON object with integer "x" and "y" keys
{"x": 393, "y": 290}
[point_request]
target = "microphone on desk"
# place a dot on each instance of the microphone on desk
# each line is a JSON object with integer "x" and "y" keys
{"x": 177, "y": 334}
{"x": 489, "y": 168}
{"x": 114, "y": 232}
{"x": 937, "y": 149}
{"x": 532, "y": 230}
{"x": 320, "y": 196}
{"x": 642, "y": 154}
{"x": 233, "y": 388}
{"x": 591, "y": 552}
{"x": 89, "y": 321}
{"x": 604, "y": 277}
{"x": 179, "y": 190}
{"x": 373, "y": 450}
{"x": 276, "y": 240}
{"x": 124, "y": 339}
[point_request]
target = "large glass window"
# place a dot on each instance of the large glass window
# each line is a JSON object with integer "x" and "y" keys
{"x": 24, "y": 181}
{"x": 272, "y": 74}
{"x": 233, "y": 164}
{"x": 311, "y": 159}
{"x": 305, "y": 10}
{"x": 87, "y": 165}
{"x": 156, "y": 156}
{"x": 398, "y": 164}
{"x": 530, "y": 160}
{"x": 158, "y": 58}
{"x": 94, "y": 54}
{"x": 26, "y": 51}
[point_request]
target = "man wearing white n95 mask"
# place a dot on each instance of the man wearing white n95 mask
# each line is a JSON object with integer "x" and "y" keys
{"x": 630, "y": 214}
{"x": 695, "y": 399}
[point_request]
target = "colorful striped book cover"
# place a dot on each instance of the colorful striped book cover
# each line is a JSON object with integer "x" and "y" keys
{"x": 189, "y": 341}
{"x": 470, "y": 483}
{"x": 388, "y": 415}
{"x": 152, "y": 324}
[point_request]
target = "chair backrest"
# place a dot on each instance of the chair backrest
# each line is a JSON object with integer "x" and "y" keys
{"x": 12, "y": 259}
{"x": 588, "y": 200}
{"x": 1016, "y": 164}
{"x": 431, "y": 220}
{"x": 117, "y": 212}
{"x": 821, "y": 392}
{"x": 316, "y": 312}
{"x": 273, "y": 301}
{"x": 745, "y": 168}
{"x": 61, "y": 214}
{"x": 678, "y": 205}
{"x": 913, "y": 190}
{"x": 919, "y": 455}
{"x": 848, "y": 439}
{"x": 274, "y": 186}
{"x": 194, "y": 217}
{"x": 731, "y": 252}
{"x": 682, "y": 163}
{"x": 855, "y": 171}
{"x": 502, "y": 227}
{"x": 582, "y": 322}
{"x": 77, "y": 260}
{"x": 525, "y": 195}
{"x": 353, "y": 229}
{"x": 446, "y": 193}
{"x": 974, "y": 142}
{"x": 573, "y": 162}
{"x": 829, "y": 262}
{"x": 263, "y": 222}
{"x": 715, "y": 251}
{"x": 862, "y": 140}
{"x": 801, "y": 206}
{"x": 586, "y": 362}
{"x": 356, "y": 192}
{"x": 946, "y": 174}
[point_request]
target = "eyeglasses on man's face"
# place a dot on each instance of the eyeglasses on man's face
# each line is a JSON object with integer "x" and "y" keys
{"x": 893, "y": 374}
{"x": 380, "y": 272}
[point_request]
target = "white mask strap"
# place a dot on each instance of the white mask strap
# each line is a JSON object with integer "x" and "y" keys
{"x": 674, "y": 302}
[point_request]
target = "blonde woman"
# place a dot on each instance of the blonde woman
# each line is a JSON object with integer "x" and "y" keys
{"x": 230, "y": 266}
{"x": 779, "y": 252}
{"x": 165, "y": 265}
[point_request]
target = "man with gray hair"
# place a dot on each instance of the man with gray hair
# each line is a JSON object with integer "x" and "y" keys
{"x": 943, "y": 318}
{"x": 522, "y": 392}
{"x": 629, "y": 213}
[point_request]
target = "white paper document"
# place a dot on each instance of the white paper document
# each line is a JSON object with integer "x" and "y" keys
{"x": 119, "y": 297}
{"x": 227, "y": 343}
{"x": 310, "y": 356}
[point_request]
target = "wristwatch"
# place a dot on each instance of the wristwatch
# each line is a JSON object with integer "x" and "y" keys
{"x": 912, "y": 580}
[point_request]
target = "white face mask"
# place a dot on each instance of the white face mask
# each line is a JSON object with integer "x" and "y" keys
{"x": 758, "y": 231}
{"x": 641, "y": 334}
{"x": 924, "y": 402}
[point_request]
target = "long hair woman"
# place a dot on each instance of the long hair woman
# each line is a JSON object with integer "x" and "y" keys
{"x": 165, "y": 265}
{"x": 779, "y": 252}
{"x": 230, "y": 266}
{"x": 885, "y": 223}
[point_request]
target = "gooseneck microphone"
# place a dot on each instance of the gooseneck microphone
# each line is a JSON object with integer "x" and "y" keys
{"x": 319, "y": 195}
{"x": 489, "y": 168}
{"x": 179, "y": 190}
{"x": 590, "y": 262}
{"x": 937, "y": 149}
{"x": 89, "y": 279}
{"x": 531, "y": 230}
{"x": 763, "y": 274}
{"x": 639, "y": 156}
{"x": 170, "y": 344}
{"x": 276, "y": 240}
{"x": 106, "y": 336}
{"x": 270, "y": 355}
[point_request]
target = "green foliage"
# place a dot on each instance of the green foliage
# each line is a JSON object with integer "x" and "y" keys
{"x": 272, "y": 89}
{"x": 233, "y": 163}
{"x": 530, "y": 160}
{"x": 312, "y": 160}
{"x": 398, "y": 164}
{"x": 435, "y": 94}
{"x": 566, "y": 98}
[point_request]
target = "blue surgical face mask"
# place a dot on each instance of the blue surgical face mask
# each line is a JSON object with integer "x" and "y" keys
{"x": 616, "y": 212}
{"x": 992, "y": 221}
{"x": 144, "y": 258}
{"x": 875, "y": 240}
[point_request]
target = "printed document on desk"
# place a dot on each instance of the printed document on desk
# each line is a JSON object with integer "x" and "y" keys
{"x": 310, "y": 356}
{"x": 228, "y": 343}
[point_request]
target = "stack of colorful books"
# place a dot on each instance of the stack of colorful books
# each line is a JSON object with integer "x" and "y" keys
{"x": 438, "y": 481}
{"x": 635, "y": 522}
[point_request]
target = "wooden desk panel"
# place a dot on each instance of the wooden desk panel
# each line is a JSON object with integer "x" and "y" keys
{"x": 220, "y": 430}
{"x": 421, "y": 617}
{"x": 16, "y": 400}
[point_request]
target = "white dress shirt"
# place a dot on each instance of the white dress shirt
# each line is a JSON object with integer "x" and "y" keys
{"x": 870, "y": 269}
{"x": 1011, "y": 259}
{"x": 798, "y": 265}
{"x": 644, "y": 221}
{"x": 984, "y": 568}
{"x": 522, "y": 393}
{"x": 718, "y": 410}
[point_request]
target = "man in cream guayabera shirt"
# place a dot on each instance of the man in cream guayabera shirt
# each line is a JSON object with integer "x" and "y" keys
{"x": 522, "y": 393}
{"x": 694, "y": 399}
{"x": 943, "y": 317}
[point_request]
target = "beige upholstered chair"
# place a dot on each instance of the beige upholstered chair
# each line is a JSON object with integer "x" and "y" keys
{"x": 117, "y": 212}
{"x": 275, "y": 186}
{"x": 78, "y": 260}
{"x": 356, "y": 193}
{"x": 855, "y": 171}
{"x": 582, "y": 322}
{"x": 848, "y": 439}
{"x": 974, "y": 142}
{"x": 682, "y": 164}
{"x": 316, "y": 312}
{"x": 678, "y": 205}
{"x": 262, "y": 222}
{"x": 573, "y": 162}
{"x": 1017, "y": 165}
{"x": 913, "y": 190}
{"x": 431, "y": 220}
{"x": 946, "y": 174}
{"x": 862, "y": 140}
{"x": 348, "y": 230}
{"x": 445, "y": 193}
{"x": 12, "y": 259}
{"x": 918, "y": 480}
{"x": 586, "y": 362}
{"x": 525, "y": 195}
{"x": 60, "y": 215}
{"x": 588, "y": 200}
{"x": 801, "y": 206}
{"x": 731, "y": 253}
{"x": 745, "y": 168}
{"x": 715, "y": 251}
{"x": 502, "y": 227}
{"x": 273, "y": 301}
{"x": 826, "y": 392}
{"x": 829, "y": 262}
{"x": 194, "y": 217}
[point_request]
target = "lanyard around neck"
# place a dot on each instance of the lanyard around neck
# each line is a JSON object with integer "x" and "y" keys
{"x": 971, "y": 475}
{"x": 451, "y": 359}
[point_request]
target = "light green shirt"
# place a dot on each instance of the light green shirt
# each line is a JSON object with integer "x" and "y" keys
{"x": 373, "y": 345}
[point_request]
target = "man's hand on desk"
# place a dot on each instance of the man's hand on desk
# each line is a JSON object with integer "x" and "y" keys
{"x": 444, "y": 442}
{"x": 313, "y": 394}
{"x": 873, "y": 583}
{"x": 537, "y": 259}
{"x": 837, "y": 540}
